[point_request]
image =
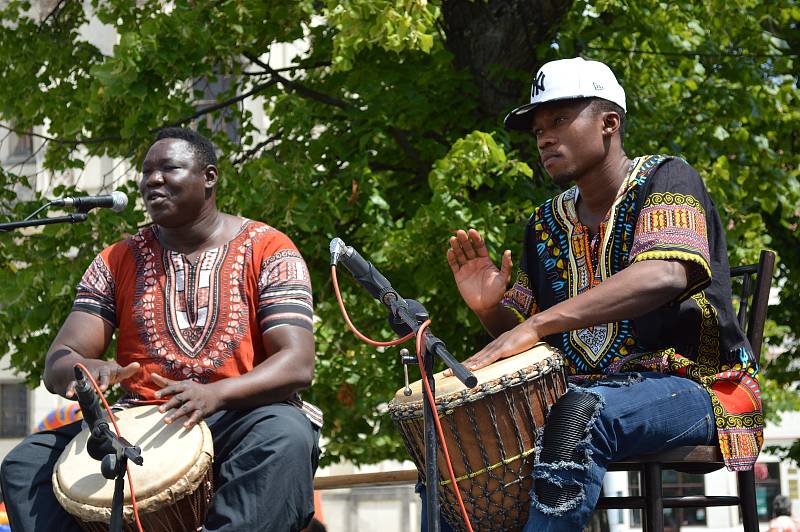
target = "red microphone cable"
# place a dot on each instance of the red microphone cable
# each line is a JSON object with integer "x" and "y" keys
{"x": 353, "y": 328}
{"x": 428, "y": 392}
{"x": 88, "y": 375}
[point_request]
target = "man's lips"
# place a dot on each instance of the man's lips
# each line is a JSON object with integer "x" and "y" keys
{"x": 546, "y": 157}
{"x": 154, "y": 196}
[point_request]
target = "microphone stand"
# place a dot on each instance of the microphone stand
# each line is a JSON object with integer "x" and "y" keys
{"x": 113, "y": 466}
{"x": 111, "y": 450}
{"x": 381, "y": 289}
{"x": 431, "y": 348}
{"x": 70, "y": 218}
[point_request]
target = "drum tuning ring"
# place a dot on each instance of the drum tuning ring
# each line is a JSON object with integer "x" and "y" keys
{"x": 406, "y": 359}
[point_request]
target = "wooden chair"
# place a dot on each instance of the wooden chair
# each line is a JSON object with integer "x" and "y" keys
{"x": 703, "y": 459}
{"x": 700, "y": 459}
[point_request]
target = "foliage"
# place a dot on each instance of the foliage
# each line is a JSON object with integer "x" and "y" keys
{"x": 375, "y": 136}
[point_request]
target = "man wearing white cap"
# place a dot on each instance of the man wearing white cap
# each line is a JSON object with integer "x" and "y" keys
{"x": 625, "y": 272}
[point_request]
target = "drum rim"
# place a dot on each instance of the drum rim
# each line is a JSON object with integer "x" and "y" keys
{"x": 413, "y": 410}
{"x": 184, "y": 487}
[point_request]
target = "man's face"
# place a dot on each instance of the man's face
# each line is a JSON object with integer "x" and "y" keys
{"x": 174, "y": 185}
{"x": 569, "y": 135}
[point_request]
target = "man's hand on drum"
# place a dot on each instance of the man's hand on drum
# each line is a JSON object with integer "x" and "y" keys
{"x": 105, "y": 373}
{"x": 186, "y": 398}
{"x": 510, "y": 343}
{"x": 479, "y": 281}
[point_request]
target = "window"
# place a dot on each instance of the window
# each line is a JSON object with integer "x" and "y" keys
{"x": 13, "y": 410}
{"x": 224, "y": 119}
{"x": 794, "y": 485}
{"x": 674, "y": 484}
{"x": 768, "y": 485}
{"x": 19, "y": 145}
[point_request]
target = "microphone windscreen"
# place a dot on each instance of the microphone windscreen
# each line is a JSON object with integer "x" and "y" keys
{"x": 120, "y": 201}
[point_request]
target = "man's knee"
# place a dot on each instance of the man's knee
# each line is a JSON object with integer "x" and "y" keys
{"x": 283, "y": 430}
{"x": 16, "y": 467}
{"x": 563, "y": 450}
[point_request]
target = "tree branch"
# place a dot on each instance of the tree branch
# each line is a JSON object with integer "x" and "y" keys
{"x": 53, "y": 14}
{"x": 63, "y": 141}
{"x": 252, "y": 151}
{"x": 301, "y": 89}
{"x": 217, "y": 106}
{"x": 288, "y": 68}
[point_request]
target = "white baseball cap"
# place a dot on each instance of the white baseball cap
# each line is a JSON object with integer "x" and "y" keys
{"x": 567, "y": 79}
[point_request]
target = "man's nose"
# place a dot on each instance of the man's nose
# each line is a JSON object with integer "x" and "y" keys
{"x": 545, "y": 139}
{"x": 153, "y": 179}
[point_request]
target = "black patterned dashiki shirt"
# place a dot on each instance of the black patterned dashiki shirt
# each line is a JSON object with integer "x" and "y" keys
{"x": 663, "y": 211}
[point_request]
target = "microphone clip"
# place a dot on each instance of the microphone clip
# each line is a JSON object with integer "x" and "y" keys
{"x": 337, "y": 248}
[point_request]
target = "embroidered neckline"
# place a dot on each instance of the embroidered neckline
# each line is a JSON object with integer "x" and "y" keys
{"x": 171, "y": 252}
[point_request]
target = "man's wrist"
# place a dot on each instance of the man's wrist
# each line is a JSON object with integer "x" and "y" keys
{"x": 490, "y": 312}
{"x": 221, "y": 391}
{"x": 542, "y": 324}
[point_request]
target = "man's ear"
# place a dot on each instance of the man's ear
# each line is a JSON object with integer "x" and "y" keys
{"x": 611, "y": 123}
{"x": 211, "y": 174}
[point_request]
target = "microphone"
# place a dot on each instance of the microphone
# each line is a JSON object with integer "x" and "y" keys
{"x": 337, "y": 247}
{"x": 116, "y": 201}
{"x": 365, "y": 273}
{"x": 402, "y": 313}
{"x": 97, "y": 445}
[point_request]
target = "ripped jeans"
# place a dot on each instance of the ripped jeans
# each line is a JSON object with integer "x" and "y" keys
{"x": 634, "y": 413}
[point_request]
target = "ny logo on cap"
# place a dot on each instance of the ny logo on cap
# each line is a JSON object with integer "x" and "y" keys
{"x": 538, "y": 84}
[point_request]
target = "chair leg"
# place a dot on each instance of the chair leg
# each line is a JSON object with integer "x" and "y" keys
{"x": 747, "y": 500}
{"x": 653, "y": 498}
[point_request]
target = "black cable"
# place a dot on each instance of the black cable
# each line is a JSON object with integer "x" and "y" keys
{"x": 37, "y": 211}
{"x": 687, "y": 54}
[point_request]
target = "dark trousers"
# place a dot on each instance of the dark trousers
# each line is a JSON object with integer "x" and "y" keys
{"x": 264, "y": 465}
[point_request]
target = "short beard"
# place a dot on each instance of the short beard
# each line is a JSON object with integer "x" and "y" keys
{"x": 563, "y": 179}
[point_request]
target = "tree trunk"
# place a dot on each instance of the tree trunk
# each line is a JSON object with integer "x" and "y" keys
{"x": 495, "y": 40}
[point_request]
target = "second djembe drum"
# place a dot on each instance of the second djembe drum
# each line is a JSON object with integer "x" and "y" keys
{"x": 490, "y": 432}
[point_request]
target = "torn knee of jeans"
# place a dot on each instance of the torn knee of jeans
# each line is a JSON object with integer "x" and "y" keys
{"x": 557, "y": 472}
{"x": 555, "y": 494}
{"x": 554, "y": 478}
{"x": 564, "y": 440}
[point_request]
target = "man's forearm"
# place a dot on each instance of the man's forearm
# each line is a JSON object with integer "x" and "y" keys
{"x": 633, "y": 292}
{"x": 58, "y": 369}
{"x": 274, "y": 380}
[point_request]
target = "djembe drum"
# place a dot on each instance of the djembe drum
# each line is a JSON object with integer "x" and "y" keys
{"x": 490, "y": 432}
{"x": 173, "y": 486}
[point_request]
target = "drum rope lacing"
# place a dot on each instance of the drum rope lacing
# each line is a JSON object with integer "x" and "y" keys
{"x": 496, "y": 482}
{"x": 88, "y": 375}
{"x": 419, "y": 339}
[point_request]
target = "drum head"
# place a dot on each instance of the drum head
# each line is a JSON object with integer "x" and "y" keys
{"x": 169, "y": 453}
{"x": 447, "y": 386}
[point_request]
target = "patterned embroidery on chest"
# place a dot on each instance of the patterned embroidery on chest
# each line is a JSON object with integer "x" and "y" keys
{"x": 192, "y": 317}
{"x": 592, "y": 260}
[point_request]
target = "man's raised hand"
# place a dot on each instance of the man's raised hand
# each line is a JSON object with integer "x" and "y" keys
{"x": 479, "y": 281}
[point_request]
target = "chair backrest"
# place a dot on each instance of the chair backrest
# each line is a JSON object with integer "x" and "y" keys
{"x": 754, "y": 297}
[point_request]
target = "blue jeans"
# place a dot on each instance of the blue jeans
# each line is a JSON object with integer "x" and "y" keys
{"x": 637, "y": 413}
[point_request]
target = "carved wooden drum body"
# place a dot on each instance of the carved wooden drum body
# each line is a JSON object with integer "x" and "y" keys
{"x": 173, "y": 486}
{"x": 490, "y": 432}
